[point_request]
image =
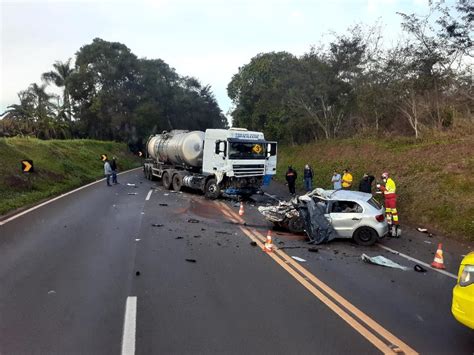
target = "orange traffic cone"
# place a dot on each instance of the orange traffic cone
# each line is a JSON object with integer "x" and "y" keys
{"x": 241, "y": 209}
{"x": 438, "y": 262}
{"x": 268, "y": 247}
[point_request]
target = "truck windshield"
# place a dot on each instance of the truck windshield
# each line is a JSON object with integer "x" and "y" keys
{"x": 246, "y": 151}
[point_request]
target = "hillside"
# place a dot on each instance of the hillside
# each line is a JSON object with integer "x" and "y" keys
{"x": 435, "y": 178}
{"x": 60, "y": 165}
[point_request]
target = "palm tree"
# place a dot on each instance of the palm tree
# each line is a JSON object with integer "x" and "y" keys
{"x": 60, "y": 76}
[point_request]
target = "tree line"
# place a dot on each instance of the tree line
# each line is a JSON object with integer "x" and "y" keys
{"x": 354, "y": 85}
{"x": 110, "y": 94}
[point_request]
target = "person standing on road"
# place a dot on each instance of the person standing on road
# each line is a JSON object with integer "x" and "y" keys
{"x": 389, "y": 191}
{"x": 346, "y": 179}
{"x": 113, "y": 165}
{"x": 365, "y": 184}
{"x": 336, "y": 180}
{"x": 291, "y": 176}
{"x": 107, "y": 171}
{"x": 308, "y": 178}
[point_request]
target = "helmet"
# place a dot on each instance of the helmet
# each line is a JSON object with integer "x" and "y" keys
{"x": 385, "y": 175}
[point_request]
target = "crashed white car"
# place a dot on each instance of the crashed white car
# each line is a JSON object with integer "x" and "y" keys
{"x": 328, "y": 214}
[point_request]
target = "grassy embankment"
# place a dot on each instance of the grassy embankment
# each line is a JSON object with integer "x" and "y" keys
{"x": 60, "y": 165}
{"x": 435, "y": 177}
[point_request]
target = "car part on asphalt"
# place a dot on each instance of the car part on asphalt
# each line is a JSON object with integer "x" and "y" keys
{"x": 419, "y": 268}
{"x": 382, "y": 261}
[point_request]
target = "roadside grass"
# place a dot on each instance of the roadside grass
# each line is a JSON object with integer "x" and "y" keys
{"x": 435, "y": 176}
{"x": 59, "y": 166}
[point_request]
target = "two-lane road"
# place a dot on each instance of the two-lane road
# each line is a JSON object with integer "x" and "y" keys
{"x": 134, "y": 269}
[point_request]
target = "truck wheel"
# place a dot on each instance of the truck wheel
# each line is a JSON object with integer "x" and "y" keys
{"x": 365, "y": 236}
{"x": 296, "y": 225}
{"x": 177, "y": 182}
{"x": 166, "y": 178}
{"x": 212, "y": 190}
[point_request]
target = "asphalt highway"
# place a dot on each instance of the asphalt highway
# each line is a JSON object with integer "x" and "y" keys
{"x": 139, "y": 269}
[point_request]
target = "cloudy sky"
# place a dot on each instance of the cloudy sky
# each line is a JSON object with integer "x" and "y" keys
{"x": 208, "y": 39}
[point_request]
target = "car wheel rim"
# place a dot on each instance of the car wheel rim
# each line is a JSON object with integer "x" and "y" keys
{"x": 365, "y": 236}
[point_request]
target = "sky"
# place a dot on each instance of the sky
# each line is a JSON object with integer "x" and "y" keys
{"x": 207, "y": 39}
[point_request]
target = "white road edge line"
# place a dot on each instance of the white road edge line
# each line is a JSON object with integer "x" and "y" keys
{"x": 418, "y": 261}
{"x": 148, "y": 196}
{"x": 129, "y": 326}
{"x": 57, "y": 198}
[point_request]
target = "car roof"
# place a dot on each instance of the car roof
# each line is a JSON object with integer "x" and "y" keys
{"x": 349, "y": 195}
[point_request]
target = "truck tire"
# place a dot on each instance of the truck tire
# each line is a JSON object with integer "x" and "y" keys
{"x": 212, "y": 189}
{"x": 166, "y": 178}
{"x": 177, "y": 182}
{"x": 365, "y": 236}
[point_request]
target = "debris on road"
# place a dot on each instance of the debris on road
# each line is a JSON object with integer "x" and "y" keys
{"x": 292, "y": 247}
{"x": 137, "y": 273}
{"x": 299, "y": 259}
{"x": 133, "y": 193}
{"x": 427, "y": 241}
{"x": 197, "y": 236}
{"x": 192, "y": 220}
{"x": 137, "y": 240}
{"x": 190, "y": 260}
{"x": 157, "y": 225}
{"x": 313, "y": 250}
{"x": 221, "y": 232}
{"x": 178, "y": 238}
{"x": 254, "y": 244}
{"x": 132, "y": 185}
{"x": 422, "y": 230}
{"x": 419, "y": 268}
{"x": 51, "y": 292}
{"x": 382, "y": 261}
{"x": 163, "y": 204}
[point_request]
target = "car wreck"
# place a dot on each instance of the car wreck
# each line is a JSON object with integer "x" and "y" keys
{"x": 325, "y": 215}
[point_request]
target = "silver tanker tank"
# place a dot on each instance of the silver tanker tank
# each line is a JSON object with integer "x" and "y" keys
{"x": 177, "y": 147}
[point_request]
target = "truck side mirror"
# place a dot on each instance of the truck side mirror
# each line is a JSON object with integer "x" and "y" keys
{"x": 220, "y": 148}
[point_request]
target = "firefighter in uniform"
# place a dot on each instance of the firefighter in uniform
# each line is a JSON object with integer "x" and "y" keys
{"x": 389, "y": 190}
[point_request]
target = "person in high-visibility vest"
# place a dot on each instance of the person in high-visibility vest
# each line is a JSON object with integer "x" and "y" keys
{"x": 389, "y": 189}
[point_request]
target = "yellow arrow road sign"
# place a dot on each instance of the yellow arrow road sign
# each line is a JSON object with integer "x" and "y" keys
{"x": 27, "y": 166}
{"x": 103, "y": 157}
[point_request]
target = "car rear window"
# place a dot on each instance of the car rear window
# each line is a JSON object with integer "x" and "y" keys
{"x": 374, "y": 203}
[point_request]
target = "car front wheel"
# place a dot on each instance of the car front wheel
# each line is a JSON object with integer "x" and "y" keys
{"x": 365, "y": 236}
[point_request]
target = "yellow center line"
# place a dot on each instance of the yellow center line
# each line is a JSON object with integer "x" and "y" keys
{"x": 304, "y": 277}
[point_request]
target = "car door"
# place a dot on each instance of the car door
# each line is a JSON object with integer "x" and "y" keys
{"x": 345, "y": 216}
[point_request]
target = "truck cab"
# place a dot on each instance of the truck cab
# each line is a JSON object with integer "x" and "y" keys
{"x": 240, "y": 160}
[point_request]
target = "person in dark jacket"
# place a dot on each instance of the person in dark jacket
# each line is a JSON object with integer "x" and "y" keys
{"x": 308, "y": 178}
{"x": 291, "y": 176}
{"x": 365, "y": 184}
{"x": 113, "y": 165}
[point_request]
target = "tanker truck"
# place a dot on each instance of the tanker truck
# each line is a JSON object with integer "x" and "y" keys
{"x": 233, "y": 161}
